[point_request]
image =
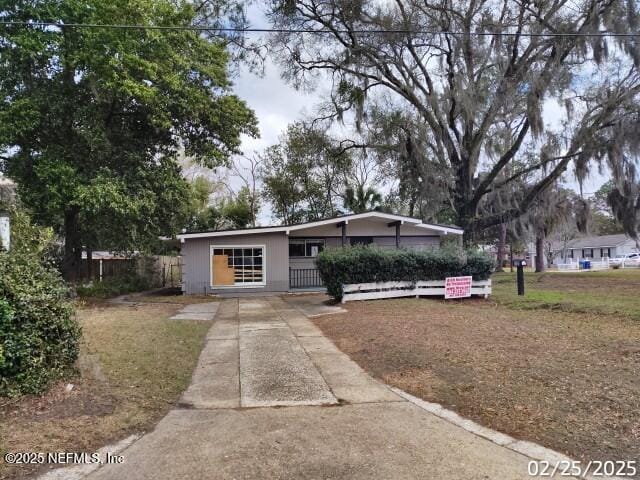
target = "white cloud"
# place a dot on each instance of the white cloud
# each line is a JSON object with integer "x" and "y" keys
{"x": 275, "y": 103}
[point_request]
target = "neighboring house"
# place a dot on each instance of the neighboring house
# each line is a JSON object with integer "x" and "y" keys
{"x": 278, "y": 259}
{"x": 596, "y": 248}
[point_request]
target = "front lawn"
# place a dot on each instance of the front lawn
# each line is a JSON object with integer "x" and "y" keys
{"x": 560, "y": 367}
{"x": 134, "y": 365}
{"x": 607, "y": 292}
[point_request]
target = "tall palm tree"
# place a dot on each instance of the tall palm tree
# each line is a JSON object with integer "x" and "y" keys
{"x": 361, "y": 199}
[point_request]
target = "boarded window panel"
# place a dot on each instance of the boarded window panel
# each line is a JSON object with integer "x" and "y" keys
{"x": 222, "y": 274}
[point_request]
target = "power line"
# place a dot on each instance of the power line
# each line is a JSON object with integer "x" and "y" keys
{"x": 210, "y": 28}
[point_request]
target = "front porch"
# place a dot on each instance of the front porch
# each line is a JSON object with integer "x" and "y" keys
{"x": 307, "y": 279}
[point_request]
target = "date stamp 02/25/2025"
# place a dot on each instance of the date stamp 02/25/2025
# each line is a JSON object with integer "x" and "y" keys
{"x": 576, "y": 468}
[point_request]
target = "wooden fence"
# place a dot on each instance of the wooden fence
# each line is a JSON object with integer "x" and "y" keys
{"x": 372, "y": 291}
{"x": 165, "y": 269}
{"x": 102, "y": 268}
{"x": 170, "y": 270}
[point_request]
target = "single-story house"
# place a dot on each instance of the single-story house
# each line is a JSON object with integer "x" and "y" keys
{"x": 281, "y": 258}
{"x": 596, "y": 248}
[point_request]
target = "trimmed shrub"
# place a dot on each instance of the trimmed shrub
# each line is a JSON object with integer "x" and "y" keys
{"x": 342, "y": 266}
{"x": 38, "y": 332}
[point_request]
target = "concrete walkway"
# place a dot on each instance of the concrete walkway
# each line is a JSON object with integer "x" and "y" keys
{"x": 272, "y": 397}
{"x": 197, "y": 311}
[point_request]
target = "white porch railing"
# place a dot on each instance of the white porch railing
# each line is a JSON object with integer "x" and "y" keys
{"x": 378, "y": 290}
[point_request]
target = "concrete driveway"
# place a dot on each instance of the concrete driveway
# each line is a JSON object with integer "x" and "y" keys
{"x": 273, "y": 398}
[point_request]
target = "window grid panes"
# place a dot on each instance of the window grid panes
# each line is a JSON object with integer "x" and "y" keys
{"x": 247, "y": 264}
{"x": 305, "y": 247}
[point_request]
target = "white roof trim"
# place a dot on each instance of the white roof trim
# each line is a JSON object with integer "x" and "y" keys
{"x": 358, "y": 216}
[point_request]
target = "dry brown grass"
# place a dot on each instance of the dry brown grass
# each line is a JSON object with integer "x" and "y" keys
{"x": 134, "y": 365}
{"x": 174, "y": 299}
{"x": 568, "y": 381}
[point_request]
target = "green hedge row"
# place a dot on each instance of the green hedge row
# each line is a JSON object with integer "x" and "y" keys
{"x": 342, "y": 266}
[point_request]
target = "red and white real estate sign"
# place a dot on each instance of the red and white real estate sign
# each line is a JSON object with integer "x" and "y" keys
{"x": 457, "y": 287}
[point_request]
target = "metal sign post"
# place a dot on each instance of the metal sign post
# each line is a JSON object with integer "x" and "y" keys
{"x": 520, "y": 264}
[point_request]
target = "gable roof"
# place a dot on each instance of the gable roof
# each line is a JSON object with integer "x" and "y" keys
{"x": 415, "y": 222}
{"x": 598, "y": 242}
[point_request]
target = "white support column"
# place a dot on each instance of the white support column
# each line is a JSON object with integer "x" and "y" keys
{"x": 5, "y": 232}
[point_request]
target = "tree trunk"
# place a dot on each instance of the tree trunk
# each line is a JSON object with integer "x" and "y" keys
{"x": 540, "y": 253}
{"x": 72, "y": 245}
{"x": 511, "y": 257}
{"x": 502, "y": 240}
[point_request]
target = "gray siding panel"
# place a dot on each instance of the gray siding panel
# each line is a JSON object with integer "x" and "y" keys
{"x": 414, "y": 243}
{"x": 302, "y": 262}
{"x": 196, "y": 276}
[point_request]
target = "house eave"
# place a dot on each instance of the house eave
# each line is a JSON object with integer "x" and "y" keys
{"x": 291, "y": 228}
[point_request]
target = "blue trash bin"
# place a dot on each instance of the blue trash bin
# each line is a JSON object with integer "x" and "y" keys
{"x": 587, "y": 264}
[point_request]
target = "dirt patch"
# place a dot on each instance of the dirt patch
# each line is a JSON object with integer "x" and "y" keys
{"x": 568, "y": 381}
{"x": 86, "y": 397}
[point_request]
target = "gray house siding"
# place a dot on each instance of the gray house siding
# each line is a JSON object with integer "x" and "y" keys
{"x": 412, "y": 242}
{"x": 196, "y": 266}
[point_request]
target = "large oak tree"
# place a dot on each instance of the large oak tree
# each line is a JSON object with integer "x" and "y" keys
{"x": 478, "y": 75}
{"x": 92, "y": 119}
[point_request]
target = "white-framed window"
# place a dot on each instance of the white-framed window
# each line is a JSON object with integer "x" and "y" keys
{"x": 305, "y": 247}
{"x": 237, "y": 265}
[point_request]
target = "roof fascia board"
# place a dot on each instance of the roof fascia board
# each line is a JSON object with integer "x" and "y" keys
{"x": 286, "y": 229}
